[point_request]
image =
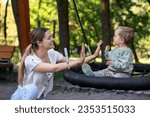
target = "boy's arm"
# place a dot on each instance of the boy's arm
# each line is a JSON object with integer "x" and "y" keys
{"x": 123, "y": 62}
{"x": 96, "y": 53}
{"x": 107, "y": 53}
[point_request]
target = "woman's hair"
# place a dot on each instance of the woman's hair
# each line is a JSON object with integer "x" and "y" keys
{"x": 127, "y": 33}
{"x": 37, "y": 34}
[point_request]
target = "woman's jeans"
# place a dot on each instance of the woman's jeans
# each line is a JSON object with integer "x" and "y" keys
{"x": 28, "y": 92}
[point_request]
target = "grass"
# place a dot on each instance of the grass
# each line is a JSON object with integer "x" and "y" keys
{"x": 59, "y": 76}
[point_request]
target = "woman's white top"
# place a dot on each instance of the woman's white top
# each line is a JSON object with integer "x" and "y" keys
{"x": 44, "y": 81}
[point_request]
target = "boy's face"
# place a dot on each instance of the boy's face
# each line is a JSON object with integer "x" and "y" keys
{"x": 117, "y": 38}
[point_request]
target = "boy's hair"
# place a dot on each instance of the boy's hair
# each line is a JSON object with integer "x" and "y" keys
{"x": 127, "y": 33}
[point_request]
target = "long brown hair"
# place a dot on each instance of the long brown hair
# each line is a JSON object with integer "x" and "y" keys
{"x": 37, "y": 35}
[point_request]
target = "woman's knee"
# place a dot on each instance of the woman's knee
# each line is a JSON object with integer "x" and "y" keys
{"x": 28, "y": 92}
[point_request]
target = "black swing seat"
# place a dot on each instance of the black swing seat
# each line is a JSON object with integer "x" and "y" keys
{"x": 140, "y": 79}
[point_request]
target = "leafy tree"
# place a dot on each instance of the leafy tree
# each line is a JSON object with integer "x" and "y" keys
{"x": 135, "y": 13}
{"x": 62, "y": 6}
{"x": 43, "y": 13}
{"x": 5, "y": 23}
{"x": 105, "y": 19}
{"x": 90, "y": 18}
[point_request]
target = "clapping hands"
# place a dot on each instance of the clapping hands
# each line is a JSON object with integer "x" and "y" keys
{"x": 96, "y": 53}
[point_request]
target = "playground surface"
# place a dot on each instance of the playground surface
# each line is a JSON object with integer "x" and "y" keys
{"x": 66, "y": 91}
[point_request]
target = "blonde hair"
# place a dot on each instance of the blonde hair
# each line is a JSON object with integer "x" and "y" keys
{"x": 127, "y": 33}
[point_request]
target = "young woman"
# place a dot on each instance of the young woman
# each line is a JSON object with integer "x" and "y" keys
{"x": 38, "y": 64}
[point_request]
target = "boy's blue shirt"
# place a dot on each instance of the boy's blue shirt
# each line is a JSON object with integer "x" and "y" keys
{"x": 122, "y": 59}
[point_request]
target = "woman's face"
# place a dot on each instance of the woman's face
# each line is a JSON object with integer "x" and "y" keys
{"x": 48, "y": 41}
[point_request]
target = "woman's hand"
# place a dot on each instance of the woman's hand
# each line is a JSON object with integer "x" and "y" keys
{"x": 96, "y": 53}
{"x": 82, "y": 54}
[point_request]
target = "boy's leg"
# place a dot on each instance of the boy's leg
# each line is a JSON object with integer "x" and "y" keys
{"x": 122, "y": 75}
{"x": 87, "y": 70}
{"x": 101, "y": 72}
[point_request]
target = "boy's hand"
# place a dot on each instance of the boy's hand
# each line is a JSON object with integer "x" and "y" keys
{"x": 96, "y": 54}
{"x": 109, "y": 63}
{"x": 107, "y": 48}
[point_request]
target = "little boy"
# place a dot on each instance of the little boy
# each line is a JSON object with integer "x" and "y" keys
{"x": 120, "y": 59}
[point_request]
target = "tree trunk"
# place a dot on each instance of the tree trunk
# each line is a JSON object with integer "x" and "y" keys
{"x": 21, "y": 14}
{"x": 62, "y": 6}
{"x": 134, "y": 53}
{"x": 38, "y": 17}
{"x": 16, "y": 16}
{"x": 106, "y": 27}
{"x": 54, "y": 28}
{"x": 5, "y": 23}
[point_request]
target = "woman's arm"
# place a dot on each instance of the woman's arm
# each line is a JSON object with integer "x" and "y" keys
{"x": 91, "y": 57}
{"x": 46, "y": 67}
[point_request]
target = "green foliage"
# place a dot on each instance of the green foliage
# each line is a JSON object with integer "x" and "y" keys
{"x": 11, "y": 26}
{"x": 135, "y": 13}
{"x": 90, "y": 18}
{"x": 43, "y": 14}
{"x": 132, "y": 13}
{"x": 143, "y": 48}
{"x": 11, "y": 38}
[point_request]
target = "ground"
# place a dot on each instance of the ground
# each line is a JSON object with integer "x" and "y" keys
{"x": 66, "y": 91}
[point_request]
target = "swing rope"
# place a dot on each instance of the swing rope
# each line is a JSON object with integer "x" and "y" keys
{"x": 85, "y": 39}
